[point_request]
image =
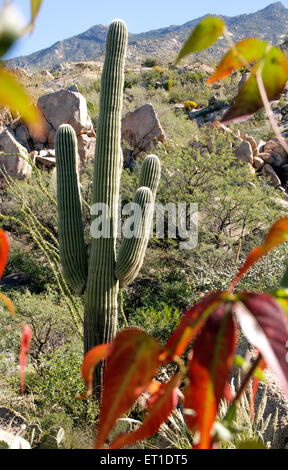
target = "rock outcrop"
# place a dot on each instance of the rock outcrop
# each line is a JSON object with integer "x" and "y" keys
{"x": 67, "y": 106}
{"x": 15, "y": 162}
{"x": 141, "y": 129}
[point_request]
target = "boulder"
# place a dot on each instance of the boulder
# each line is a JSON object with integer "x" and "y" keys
{"x": 253, "y": 144}
{"x": 258, "y": 163}
{"x": 86, "y": 147}
{"x": 49, "y": 162}
{"x": 260, "y": 146}
{"x": 266, "y": 157}
{"x": 22, "y": 135}
{"x": 16, "y": 163}
{"x": 10, "y": 441}
{"x": 274, "y": 145}
{"x": 270, "y": 173}
{"x": 244, "y": 152}
{"x": 13, "y": 280}
{"x": 65, "y": 106}
{"x": 141, "y": 128}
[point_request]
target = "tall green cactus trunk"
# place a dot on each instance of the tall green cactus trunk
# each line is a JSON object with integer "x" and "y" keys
{"x": 102, "y": 286}
{"x": 100, "y": 281}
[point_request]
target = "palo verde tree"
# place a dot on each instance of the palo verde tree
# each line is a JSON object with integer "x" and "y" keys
{"x": 100, "y": 277}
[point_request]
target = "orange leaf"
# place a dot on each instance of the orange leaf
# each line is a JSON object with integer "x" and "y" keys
{"x": 277, "y": 234}
{"x": 208, "y": 373}
{"x": 24, "y": 349}
{"x": 261, "y": 366}
{"x": 191, "y": 322}
{"x": 4, "y": 251}
{"x": 91, "y": 359}
{"x": 160, "y": 406}
{"x": 274, "y": 77}
{"x": 249, "y": 49}
{"x": 8, "y": 303}
{"x": 132, "y": 363}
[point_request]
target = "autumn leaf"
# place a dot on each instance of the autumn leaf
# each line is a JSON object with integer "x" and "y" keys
{"x": 92, "y": 358}
{"x": 247, "y": 50}
{"x": 4, "y": 251}
{"x": 208, "y": 373}
{"x": 277, "y": 234}
{"x": 132, "y": 362}
{"x": 24, "y": 349}
{"x": 160, "y": 406}
{"x": 8, "y": 303}
{"x": 13, "y": 96}
{"x": 265, "y": 325}
{"x": 191, "y": 322}
{"x": 274, "y": 76}
{"x": 203, "y": 36}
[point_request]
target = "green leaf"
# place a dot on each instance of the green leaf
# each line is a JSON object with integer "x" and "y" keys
{"x": 274, "y": 76}
{"x": 203, "y": 36}
{"x": 239, "y": 361}
{"x": 35, "y": 7}
{"x": 13, "y": 96}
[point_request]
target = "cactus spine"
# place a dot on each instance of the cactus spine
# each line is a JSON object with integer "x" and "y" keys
{"x": 99, "y": 278}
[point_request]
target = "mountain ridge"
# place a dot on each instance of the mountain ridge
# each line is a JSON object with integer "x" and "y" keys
{"x": 269, "y": 23}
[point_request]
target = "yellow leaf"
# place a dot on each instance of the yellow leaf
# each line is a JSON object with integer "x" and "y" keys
{"x": 13, "y": 96}
{"x": 35, "y": 7}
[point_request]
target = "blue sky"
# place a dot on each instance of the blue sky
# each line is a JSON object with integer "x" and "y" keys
{"x": 61, "y": 19}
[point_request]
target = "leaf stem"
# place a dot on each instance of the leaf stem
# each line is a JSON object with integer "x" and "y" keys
{"x": 245, "y": 382}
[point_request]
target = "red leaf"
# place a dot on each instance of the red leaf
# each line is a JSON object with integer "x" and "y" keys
{"x": 249, "y": 49}
{"x": 132, "y": 362}
{"x": 277, "y": 234}
{"x": 160, "y": 406}
{"x": 191, "y": 322}
{"x": 24, "y": 349}
{"x": 4, "y": 251}
{"x": 91, "y": 359}
{"x": 208, "y": 373}
{"x": 265, "y": 325}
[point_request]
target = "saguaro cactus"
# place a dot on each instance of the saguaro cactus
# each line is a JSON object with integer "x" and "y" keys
{"x": 99, "y": 278}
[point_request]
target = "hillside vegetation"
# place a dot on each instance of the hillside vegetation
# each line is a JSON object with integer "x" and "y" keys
{"x": 235, "y": 209}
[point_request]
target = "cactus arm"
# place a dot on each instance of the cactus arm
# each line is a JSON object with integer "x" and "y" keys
{"x": 102, "y": 287}
{"x": 71, "y": 235}
{"x": 150, "y": 173}
{"x": 132, "y": 250}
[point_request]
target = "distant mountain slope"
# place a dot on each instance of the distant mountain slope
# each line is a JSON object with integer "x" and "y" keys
{"x": 270, "y": 23}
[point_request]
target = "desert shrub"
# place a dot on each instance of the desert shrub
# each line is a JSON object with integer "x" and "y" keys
{"x": 131, "y": 79}
{"x": 149, "y": 62}
{"x": 158, "y": 323}
{"x": 189, "y": 105}
{"x": 60, "y": 385}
